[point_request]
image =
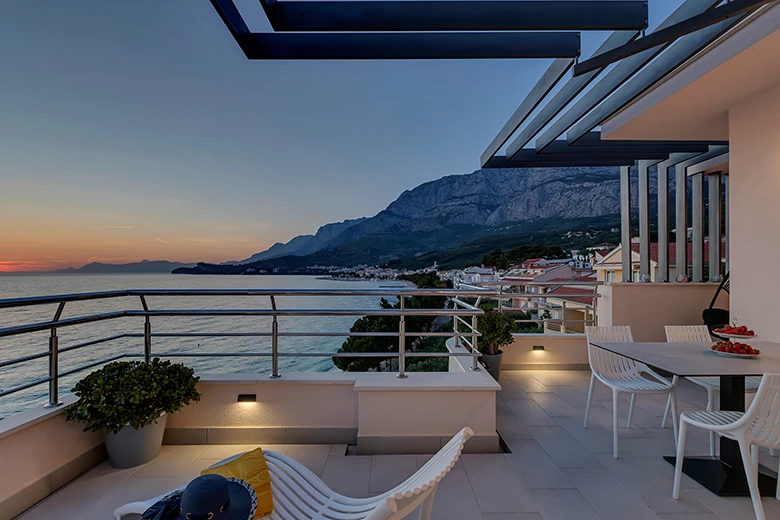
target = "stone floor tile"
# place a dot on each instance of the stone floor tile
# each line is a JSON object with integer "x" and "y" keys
{"x": 562, "y": 504}
{"x": 562, "y": 448}
{"x": 651, "y": 484}
{"x": 607, "y": 495}
{"x": 512, "y": 516}
{"x": 509, "y": 389}
{"x": 348, "y": 475}
{"x": 422, "y": 459}
{"x": 529, "y": 413}
{"x": 526, "y": 381}
{"x": 313, "y": 456}
{"x": 495, "y": 485}
{"x": 562, "y": 377}
{"x": 57, "y": 507}
{"x": 224, "y": 451}
{"x": 455, "y": 499}
{"x": 387, "y": 471}
{"x": 134, "y": 489}
{"x": 508, "y": 424}
{"x": 96, "y": 482}
{"x": 172, "y": 461}
{"x": 534, "y": 468}
{"x": 554, "y": 406}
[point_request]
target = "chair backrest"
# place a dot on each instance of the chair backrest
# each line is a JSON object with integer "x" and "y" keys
{"x": 408, "y": 495}
{"x": 604, "y": 362}
{"x": 764, "y": 413}
{"x": 687, "y": 334}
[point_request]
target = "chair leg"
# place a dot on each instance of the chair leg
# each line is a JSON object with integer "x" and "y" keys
{"x": 747, "y": 461}
{"x": 777, "y": 493}
{"x": 678, "y": 465}
{"x": 675, "y": 415}
{"x": 712, "y": 396}
{"x": 427, "y": 506}
{"x": 668, "y": 408}
{"x": 631, "y": 410}
{"x": 590, "y": 398}
{"x": 615, "y": 426}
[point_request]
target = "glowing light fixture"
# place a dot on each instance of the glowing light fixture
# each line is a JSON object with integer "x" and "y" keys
{"x": 538, "y": 347}
{"x": 247, "y": 398}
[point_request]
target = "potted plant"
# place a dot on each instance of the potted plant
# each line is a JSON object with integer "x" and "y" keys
{"x": 496, "y": 328}
{"x": 128, "y": 401}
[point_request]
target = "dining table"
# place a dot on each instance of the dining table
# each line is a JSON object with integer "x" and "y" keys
{"x": 724, "y": 474}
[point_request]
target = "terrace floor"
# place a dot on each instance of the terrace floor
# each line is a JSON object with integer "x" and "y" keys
{"x": 556, "y": 471}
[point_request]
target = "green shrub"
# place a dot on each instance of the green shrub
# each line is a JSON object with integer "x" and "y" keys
{"x": 496, "y": 328}
{"x": 132, "y": 393}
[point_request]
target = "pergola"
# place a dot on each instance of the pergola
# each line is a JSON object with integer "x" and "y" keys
{"x": 558, "y": 124}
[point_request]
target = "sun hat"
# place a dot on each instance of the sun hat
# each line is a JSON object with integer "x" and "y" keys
{"x": 208, "y": 497}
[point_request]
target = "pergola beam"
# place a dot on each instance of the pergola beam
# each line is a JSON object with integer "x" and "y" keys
{"x": 669, "y": 34}
{"x": 458, "y": 15}
{"x": 410, "y": 46}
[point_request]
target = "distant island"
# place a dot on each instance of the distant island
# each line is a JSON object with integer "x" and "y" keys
{"x": 142, "y": 267}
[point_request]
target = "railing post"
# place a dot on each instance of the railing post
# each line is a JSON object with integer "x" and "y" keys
{"x": 147, "y": 331}
{"x": 563, "y": 316}
{"x": 474, "y": 351}
{"x": 402, "y": 340}
{"x": 274, "y": 343}
{"x": 455, "y": 326}
{"x": 54, "y": 363}
{"x": 147, "y": 339}
{"x": 500, "y": 298}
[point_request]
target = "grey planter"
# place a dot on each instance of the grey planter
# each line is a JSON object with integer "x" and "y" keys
{"x": 131, "y": 447}
{"x": 493, "y": 364}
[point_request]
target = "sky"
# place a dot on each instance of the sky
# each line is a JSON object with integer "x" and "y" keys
{"x": 138, "y": 130}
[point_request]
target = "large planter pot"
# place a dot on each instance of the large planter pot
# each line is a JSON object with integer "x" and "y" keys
{"x": 493, "y": 363}
{"x": 130, "y": 447}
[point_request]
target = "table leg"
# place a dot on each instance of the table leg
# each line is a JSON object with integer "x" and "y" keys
{"x": 725, "y": 476}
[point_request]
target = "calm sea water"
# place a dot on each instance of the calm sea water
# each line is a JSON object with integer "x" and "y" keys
{"x": 38, "y": 285}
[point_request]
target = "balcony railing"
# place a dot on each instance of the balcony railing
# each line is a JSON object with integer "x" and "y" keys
{"x": 459, "y": 311}
{"x": 561, "y": 312}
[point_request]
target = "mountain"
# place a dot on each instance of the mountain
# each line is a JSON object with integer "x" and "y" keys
{"x": 488, "y": 206}
{"x": 304, "y": 244}
{"x": 144, "y": 266}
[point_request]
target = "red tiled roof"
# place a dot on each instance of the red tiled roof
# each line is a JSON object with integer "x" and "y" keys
{"x": 586, "y": 298}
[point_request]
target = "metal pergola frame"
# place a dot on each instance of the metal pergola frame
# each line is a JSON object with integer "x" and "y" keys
{"x": 557, "y": 126}
{"x": 428, "y": 29}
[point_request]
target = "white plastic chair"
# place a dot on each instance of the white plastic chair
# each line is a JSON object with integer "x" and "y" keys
{"x": 758, "y": 427}
{"x": 622, "y": 374}
{"x": 701, "y": 334}
{"x": 300, "y": 494}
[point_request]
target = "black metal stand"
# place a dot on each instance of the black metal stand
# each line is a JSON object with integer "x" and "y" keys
{"x": 725, "y": 476}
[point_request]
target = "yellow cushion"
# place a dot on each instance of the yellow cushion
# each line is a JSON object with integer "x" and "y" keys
{"x": 252, "y": 468}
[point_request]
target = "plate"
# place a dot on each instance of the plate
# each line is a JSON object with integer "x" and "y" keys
{"x": 731, "y": 354}
{"x": 735, "y": 336}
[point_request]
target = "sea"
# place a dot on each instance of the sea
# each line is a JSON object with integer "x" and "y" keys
{"x": 19, "y": 286}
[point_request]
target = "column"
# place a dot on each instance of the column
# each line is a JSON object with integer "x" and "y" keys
{"x": 697, "y": 222}
{"x": 681, "y": 221}
{"x": 663, "y": 223}
{"x": 644, "y": 218}
{"x": 713, "y": 185}
{"x": 726, "y": 223}
{"x": 625, "y": 220}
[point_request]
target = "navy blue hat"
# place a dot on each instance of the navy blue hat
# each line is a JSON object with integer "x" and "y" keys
{"x": 208, "y": 497}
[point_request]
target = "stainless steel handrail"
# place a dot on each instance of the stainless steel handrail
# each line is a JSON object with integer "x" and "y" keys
{"x": 459, "y": 310}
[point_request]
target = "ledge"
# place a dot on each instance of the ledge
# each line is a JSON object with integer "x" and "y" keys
{"x": 428, "y": 381}
{"x": 33, "y": 416}
{"x": 298, "y": 378}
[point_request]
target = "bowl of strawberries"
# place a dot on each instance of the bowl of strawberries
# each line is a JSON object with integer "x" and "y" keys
{"x": 735, "y": 349}
{"x": 734, "y": 331}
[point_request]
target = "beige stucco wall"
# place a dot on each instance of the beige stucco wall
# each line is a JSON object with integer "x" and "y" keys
{"x": 40, "y": 452}
{"x": 647, "y": 307}
{"x": 560, "y": 351}
{"x": 754, "y": 183}
{"x": 297, "y": 400}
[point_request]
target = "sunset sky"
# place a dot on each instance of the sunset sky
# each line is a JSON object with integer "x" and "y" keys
{"x": 138, "y": 130}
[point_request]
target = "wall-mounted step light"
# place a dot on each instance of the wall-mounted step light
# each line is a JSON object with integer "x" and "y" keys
{"x": 247, "y": 398}
{"x": 538, "y": 347}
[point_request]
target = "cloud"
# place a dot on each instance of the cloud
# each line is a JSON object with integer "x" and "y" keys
{"x": 160, "y": 240}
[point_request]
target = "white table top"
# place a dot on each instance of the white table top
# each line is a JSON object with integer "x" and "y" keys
{"x": 696, "y": 359}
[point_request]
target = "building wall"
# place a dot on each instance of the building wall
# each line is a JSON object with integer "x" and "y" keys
{"x": 648, "y": 307}
{"x": 754, "y": 184}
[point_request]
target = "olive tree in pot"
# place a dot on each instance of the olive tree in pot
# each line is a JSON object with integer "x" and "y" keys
{"x": 496, "y": 329}
{"x": 128, "y": 401}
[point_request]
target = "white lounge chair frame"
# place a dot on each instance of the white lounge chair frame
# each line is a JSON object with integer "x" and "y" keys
{"x": 300, "y": 494}
{"x": 758, "y": 427}
{"x": 701, "y": 334}
{"x": 622, "y": 374}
